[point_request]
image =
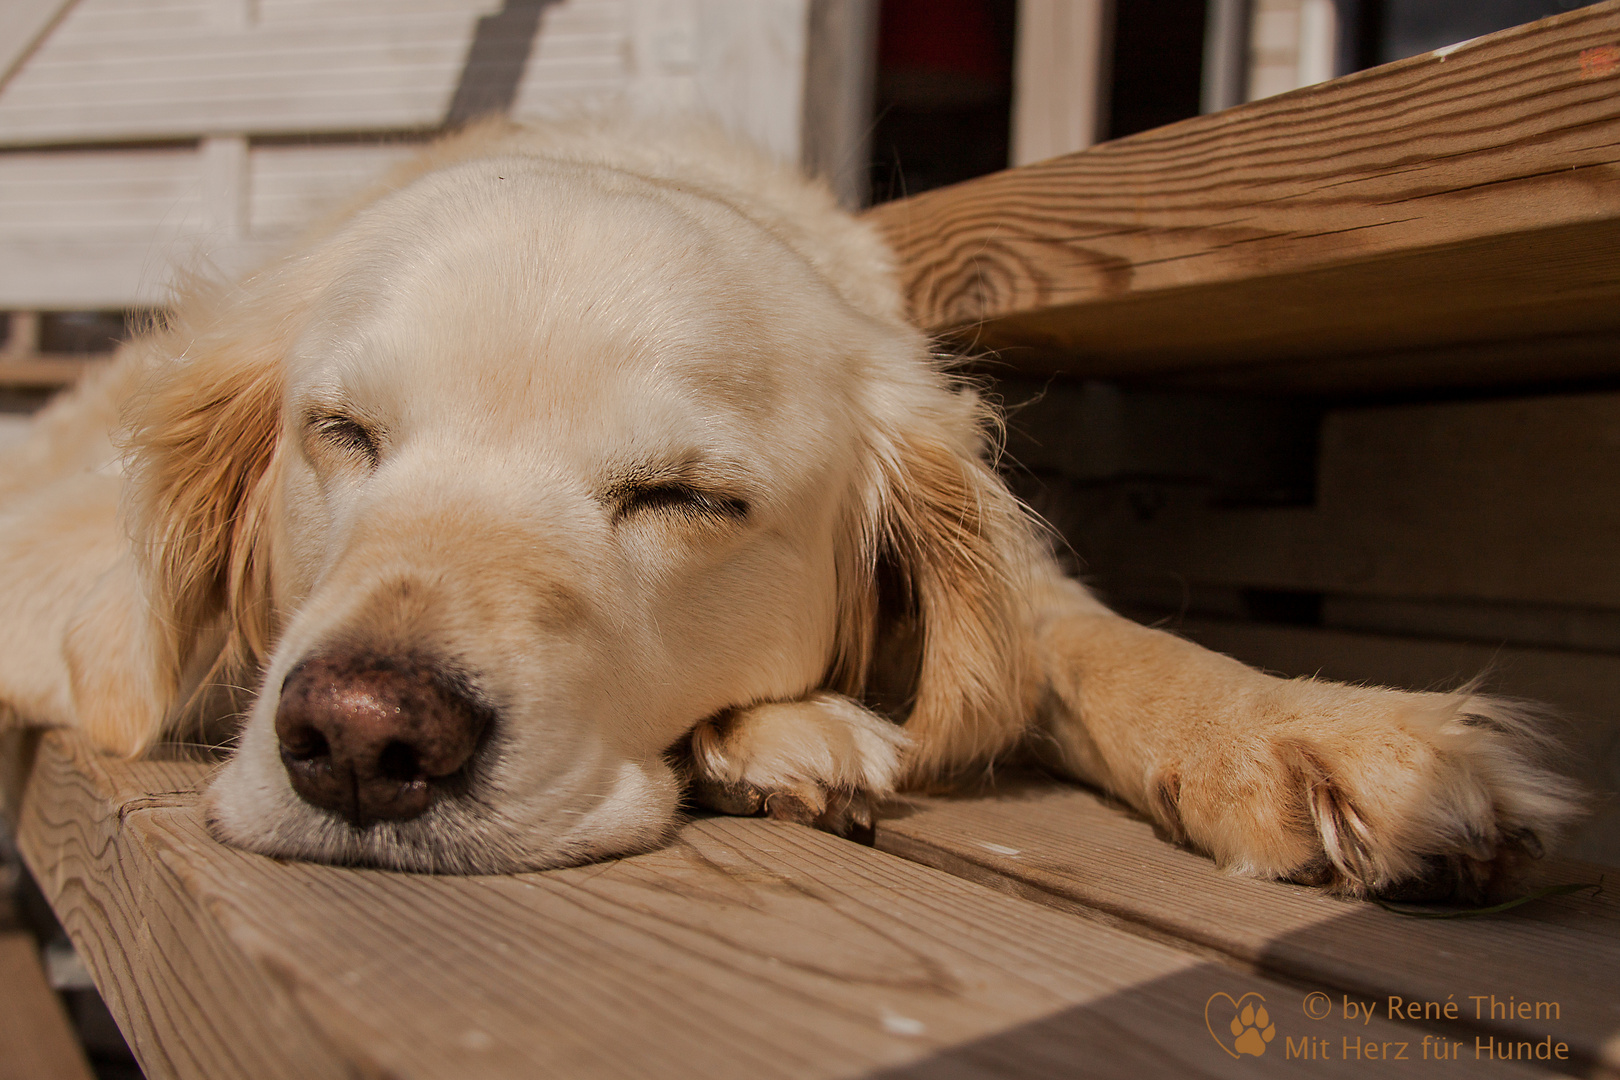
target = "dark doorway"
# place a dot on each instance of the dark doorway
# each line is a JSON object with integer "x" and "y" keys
{"x": 944, "y": 93}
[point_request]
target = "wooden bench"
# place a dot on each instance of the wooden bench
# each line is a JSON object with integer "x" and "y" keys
{"x": 139, "y": 138}
{"x": 1443, "y": 221}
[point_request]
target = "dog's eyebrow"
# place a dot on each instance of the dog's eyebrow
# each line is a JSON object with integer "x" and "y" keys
{"x": 695, "y": 469}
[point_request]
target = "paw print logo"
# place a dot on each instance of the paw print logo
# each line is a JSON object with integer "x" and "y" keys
{"x": 1250, "y": 1025}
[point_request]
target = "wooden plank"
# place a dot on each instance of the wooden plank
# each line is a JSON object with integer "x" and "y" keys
{"x": 23, "y": 23}
{"x": 1556, "y": 357}
{"x": 840, "y": 82}
{"x": 1455, "y": 500}
{"x": 107, "y": 228}
{"x": 333, "y": 69}
{"x": 744, "y": 947}
{"x": 72, "y": 273}
{"x": 45, "y": 372}
{"x": 1465, "y": 195}
{"x": 741, "y": 61}
{"x": 159, "y": 964}
{"x": 1067, "y": 847}
{"x": 293, "y": 186}
{"x": 144, "y": 194}
{"x": 1060, "y": 79}
{"x": 36, "y": 1040}
{"x": 22, "y": 335}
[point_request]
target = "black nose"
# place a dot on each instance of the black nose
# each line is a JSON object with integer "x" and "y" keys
{"x": 375, "y": 738}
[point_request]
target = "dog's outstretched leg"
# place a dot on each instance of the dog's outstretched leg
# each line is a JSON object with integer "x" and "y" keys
{"x": 823, "y": 761}
{"x": 1361, "y": 789}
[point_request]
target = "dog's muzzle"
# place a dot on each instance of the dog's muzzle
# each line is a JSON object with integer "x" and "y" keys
{"x": 376, "y": 738}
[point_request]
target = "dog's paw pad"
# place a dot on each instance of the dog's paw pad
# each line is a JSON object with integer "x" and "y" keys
{"x": 1252, "y": 1029}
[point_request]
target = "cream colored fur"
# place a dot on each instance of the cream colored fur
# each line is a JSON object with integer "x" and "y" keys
{"x": 530, "y": 326}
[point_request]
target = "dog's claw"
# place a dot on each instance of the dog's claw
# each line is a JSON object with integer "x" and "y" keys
{"x": 787, "y": 806}
{"x": 840, "y": 812}
{"x": 764, "y": 762}
{"x": 741, "y": 800}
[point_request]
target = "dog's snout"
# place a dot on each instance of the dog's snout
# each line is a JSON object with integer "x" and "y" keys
{"x": 374, "y": 738}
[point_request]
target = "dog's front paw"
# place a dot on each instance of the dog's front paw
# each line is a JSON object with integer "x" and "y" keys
{"x": 824, "y": 761}
{"x": 1372, "y": 792}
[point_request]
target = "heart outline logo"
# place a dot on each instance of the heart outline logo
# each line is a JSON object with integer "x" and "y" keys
{"x": 1237, "y": 1009}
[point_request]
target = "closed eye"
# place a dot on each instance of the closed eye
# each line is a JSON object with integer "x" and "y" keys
{"x": 680, "y": 499}
{"x": 347, "y": 434}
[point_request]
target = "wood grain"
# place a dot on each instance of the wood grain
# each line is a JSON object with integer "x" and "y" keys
{"x": 1462, "y": 196}
{"x": 1067, "y": 847}
{"x": 36, "y": 1040}
{"x": 744, "y": 947}
{"x": 180, "y": 991}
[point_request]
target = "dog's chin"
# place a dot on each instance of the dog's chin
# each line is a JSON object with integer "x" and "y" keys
{"x": 632, "y": 807}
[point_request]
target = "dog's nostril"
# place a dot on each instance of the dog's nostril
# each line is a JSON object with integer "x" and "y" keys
{"x": 399, "y": 763}
{"x": 375, "y": 739}
{"x": 305, "y": 744}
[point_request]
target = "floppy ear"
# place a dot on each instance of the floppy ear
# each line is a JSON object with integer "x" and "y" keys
{"x": 933, "y": 583}
{"x": 201, "y": 438}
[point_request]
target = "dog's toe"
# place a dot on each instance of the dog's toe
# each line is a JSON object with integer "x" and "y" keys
{"x": 823, "y": 762}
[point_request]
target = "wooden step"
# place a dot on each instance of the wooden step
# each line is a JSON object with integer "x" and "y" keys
{"x": 1059, "y": 845}
{"x": 1467, "y": 198}
{"x": 742, "y": 948}
{"x": 36, "y": 1039}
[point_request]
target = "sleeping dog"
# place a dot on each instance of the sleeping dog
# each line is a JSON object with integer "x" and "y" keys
{"x": 577, "y": 466}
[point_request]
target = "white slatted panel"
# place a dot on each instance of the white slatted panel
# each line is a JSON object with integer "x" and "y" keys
{"x": 89, "y": 229}
{"x": 116, "y": 70}
{"x": 70, "y": 273}
{"x": 109, "y": 227}
{"x": 135, "y": 194}
{"x": 293, "y": 186}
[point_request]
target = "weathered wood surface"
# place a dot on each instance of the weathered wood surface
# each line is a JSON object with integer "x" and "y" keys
{"x": 116, "y": 70}
{"x": 97, "y": 228}
{"x": 36, "y": 1041}
{"x": 745, "y": 947}
{"x": 205, "y": 101}
{"x": 1058, "y": 844}
{"x": 22, "y": 24}
{"x": 131, "y": 70}
{"x": 1468, "y": 195}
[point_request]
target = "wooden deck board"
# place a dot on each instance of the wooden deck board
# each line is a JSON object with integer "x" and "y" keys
{"x": 1069, "y": 847}
{"x": 36, "y": 1040}
{"x": 743, "y": 947}
{"x": 1464, "y": 196}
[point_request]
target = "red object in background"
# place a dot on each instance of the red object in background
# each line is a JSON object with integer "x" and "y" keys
{"x": 954, "y": 37}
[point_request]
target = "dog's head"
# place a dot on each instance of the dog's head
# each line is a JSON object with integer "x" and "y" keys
{"x": 528, "y": 467}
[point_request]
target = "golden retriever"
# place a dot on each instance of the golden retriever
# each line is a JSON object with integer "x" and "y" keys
{"x": 580, "y": 465}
